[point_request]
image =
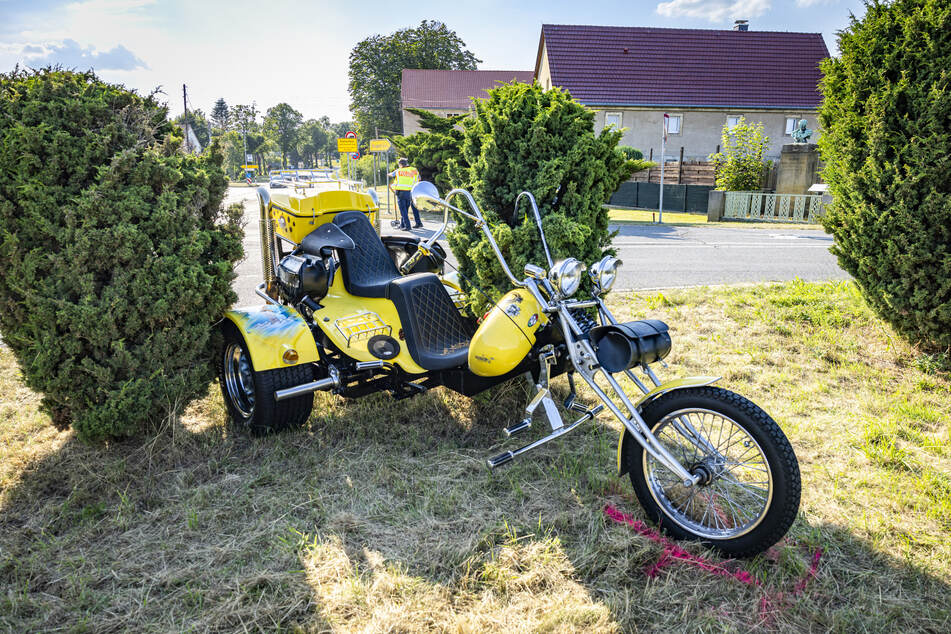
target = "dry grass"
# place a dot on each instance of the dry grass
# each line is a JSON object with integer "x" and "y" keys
{"x": 380, "y": 516}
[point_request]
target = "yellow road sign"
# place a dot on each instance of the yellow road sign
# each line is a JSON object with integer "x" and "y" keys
{"x": 249, "y": 167}
{"x": 346, "y": 145}
{"x": 380, "y": 145}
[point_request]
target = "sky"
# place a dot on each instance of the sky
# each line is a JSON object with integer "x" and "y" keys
{"x": 278, "y": 50}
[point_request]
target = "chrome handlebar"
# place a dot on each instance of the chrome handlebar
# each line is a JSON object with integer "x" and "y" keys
{"x": 538, "y": 222}
{"x": 476, "y": 215}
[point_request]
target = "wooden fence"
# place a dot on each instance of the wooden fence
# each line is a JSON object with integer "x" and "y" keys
{"x": 772, "y": 207}
{"x": 680, "y": 173}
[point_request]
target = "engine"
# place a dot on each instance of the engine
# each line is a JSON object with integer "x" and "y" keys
{"x": 304, "y": 275}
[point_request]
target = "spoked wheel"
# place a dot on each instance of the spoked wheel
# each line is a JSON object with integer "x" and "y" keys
{"x": 249, "y": 395}
{"x": 749, "y": 489}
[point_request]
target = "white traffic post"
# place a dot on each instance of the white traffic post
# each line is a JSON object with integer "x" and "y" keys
{"x": 663, "y": 147}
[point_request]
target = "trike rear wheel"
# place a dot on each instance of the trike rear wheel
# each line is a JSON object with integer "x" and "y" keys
{"x": 249, "y": 394}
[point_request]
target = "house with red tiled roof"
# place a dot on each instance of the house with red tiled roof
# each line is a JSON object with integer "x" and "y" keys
{"x": 446, "y": 92}
{"x": 702, "y": 78}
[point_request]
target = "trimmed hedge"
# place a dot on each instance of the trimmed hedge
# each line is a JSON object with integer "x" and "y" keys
{"x": 116, "y": 255}
{"x": 886, "y": 141}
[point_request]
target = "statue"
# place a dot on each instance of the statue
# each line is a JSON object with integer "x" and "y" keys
{"x": 801, "y": 134}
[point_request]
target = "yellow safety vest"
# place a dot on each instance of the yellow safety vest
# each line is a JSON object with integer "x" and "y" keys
{"x": 406, "y": 177}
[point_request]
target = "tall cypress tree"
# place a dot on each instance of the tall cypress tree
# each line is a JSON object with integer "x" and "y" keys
{"x": 886, "y": 141}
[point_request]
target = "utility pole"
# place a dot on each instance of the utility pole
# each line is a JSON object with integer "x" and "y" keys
{"x": 185, "y": 103}
{"x": 663, "y": 144}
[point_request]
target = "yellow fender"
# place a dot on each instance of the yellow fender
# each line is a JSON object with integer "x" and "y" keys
{"x": 663, "y": 388}
{"x": 271, "y": 330}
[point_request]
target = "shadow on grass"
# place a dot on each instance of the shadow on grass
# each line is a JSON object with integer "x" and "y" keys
{"x": 381, "y": 515}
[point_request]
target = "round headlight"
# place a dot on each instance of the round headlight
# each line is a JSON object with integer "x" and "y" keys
{"x": 566, "y": 275}
{"x": 604, "y": 273}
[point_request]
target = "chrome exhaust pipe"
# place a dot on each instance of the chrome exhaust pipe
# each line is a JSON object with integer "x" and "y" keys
{"x": 329, "y": 383}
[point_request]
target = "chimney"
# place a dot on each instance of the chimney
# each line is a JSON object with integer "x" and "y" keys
{"x": 741, "y": 25}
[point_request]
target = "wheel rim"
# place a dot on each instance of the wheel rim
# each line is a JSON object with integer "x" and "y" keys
{"x": 239, "y": 379}
{"x": 736, "y": 482}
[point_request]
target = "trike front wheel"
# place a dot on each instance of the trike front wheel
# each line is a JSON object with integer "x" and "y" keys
{"x": 749, "y": 489}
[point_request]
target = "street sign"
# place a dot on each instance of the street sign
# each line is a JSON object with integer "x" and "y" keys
{"x": 249, "y": 158}
{"x": 354, "y": 155}
{"x": 347, "y": 144}
{"x": 351, "y": 134}
{"x": 380, "y": 145}
{"x": 249, "y": 167}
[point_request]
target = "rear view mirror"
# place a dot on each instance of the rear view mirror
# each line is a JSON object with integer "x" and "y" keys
{"x": 426, "y": 197}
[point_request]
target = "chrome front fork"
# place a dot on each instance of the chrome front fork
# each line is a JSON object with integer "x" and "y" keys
{"x": 586, "y": 364}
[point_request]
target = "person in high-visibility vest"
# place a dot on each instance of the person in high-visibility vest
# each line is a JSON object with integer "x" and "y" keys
{"x": 405, "y": 177}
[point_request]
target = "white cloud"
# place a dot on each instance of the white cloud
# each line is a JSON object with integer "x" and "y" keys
{"x": 71, "y": 54}
{"x": 715, "y": 10}
{"x": 811, "y": 3}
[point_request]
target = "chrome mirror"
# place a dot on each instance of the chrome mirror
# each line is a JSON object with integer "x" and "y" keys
{"x": 426, "y": 197}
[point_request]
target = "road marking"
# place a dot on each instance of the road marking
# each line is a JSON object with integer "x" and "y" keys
{"x": 693, "y": 245}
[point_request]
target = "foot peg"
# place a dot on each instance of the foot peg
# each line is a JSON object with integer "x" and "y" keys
{"x": 508, "y": 456}
{"x": 500, "y": 459}
{"x": 517, "y": 427}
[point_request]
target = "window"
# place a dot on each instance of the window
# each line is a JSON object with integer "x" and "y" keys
{"x": 673, "y": 123}
{"x": 791, "y": 124}
{"x": 612, "y": 118}
{"x": 732, "y": 121}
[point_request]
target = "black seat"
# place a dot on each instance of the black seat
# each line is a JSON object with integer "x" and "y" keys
{"x": 367, "y": 268}
{"x": 437, "y": 336}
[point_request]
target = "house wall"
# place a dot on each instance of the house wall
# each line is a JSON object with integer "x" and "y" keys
{"x": 701, "y": 128}
{"x": 543, "y": 76}
{"x": 411, "y": 121}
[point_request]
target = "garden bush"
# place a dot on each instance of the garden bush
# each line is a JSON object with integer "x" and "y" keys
{"x": 116, "y": 256}
{"x": 525, "y": 138}
{"x": 631, "y": 152}
{"x": 742, "y": 164}
{"x": 886, "y": 144}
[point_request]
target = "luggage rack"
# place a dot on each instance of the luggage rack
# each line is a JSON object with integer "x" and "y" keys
{"x": 362, "y": 326}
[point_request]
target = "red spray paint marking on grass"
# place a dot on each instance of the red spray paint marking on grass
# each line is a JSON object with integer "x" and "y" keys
{"x": 673, "y": 552}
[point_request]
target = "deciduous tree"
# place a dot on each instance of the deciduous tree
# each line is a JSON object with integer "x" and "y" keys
{"x": 282, "y": 123}
{"x": 742, "y": 163}
{"x": 376, "y": 67}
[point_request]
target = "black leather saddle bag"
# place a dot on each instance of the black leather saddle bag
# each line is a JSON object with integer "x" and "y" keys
{"x": 623, "y": 346}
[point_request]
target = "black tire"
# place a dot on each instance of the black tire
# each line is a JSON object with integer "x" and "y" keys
{"x": 728, "y": 471}
{"x": 250, "y": 397}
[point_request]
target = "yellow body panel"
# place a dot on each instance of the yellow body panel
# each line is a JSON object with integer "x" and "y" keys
{"x": 350, "y": 321}
{"x": 269, "y": 331}
{"x": 506, "y": 334}
{"x": 297, "y": 212}
{"x": 676, "y": 384}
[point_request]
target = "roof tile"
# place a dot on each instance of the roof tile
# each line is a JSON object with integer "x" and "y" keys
{"x": 607, "y": 65}
{"x": 453, "y": 89}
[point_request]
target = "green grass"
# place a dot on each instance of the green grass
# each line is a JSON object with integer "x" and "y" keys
{"x": 380, "y": 516}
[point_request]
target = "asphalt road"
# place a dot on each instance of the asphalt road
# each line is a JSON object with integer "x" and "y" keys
{"x": 654, "y": 256}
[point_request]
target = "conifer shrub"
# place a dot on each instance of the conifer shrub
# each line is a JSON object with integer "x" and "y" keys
{"x": 525, "y": 138}
{"x": 116, "y": 256}
{"x": 430, "y": 150}
{"x": 886, "y": 143}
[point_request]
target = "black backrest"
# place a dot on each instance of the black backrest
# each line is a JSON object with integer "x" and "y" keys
{"x": 367, "y": 268}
